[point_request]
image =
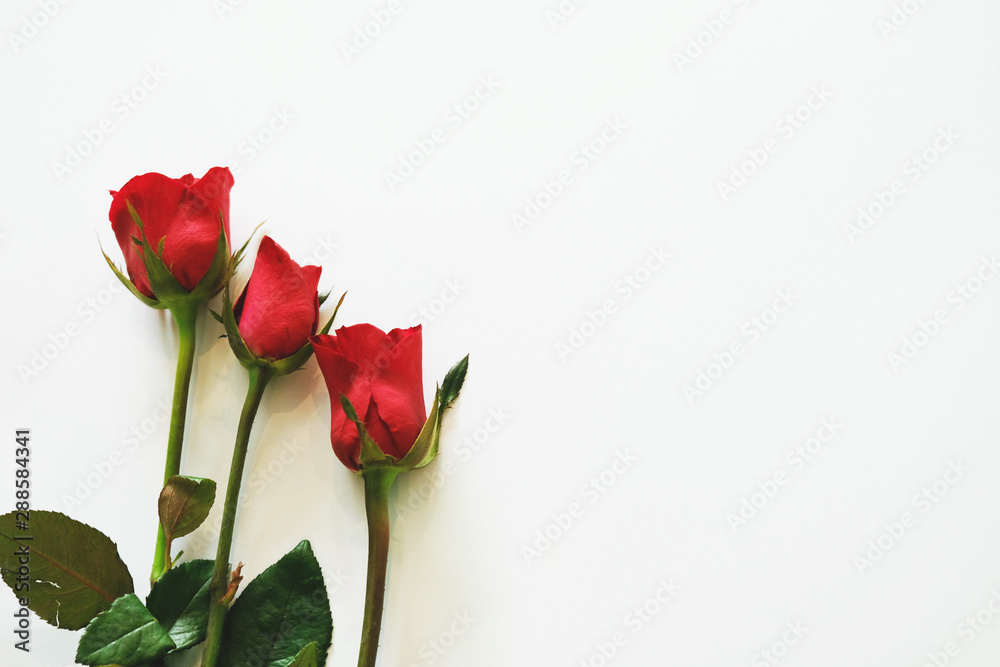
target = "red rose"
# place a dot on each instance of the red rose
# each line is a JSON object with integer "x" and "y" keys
{"x": 182, "y": 212}
{"x": 279, "y": 308}
{"x": 381, "y": 375}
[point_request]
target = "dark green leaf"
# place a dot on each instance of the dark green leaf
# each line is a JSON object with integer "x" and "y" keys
{"x": 75, "y": 570}
{"x": 179, "y": 601}
{"x": 279, "y": 613}
{"x": 307, "y": 657}
{"x": 126, "y": 635}
{"x": 453, "y": 382}
{"x": 184, "y": 504}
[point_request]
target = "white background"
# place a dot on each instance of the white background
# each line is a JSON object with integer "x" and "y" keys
{"x": 884, "y": 82}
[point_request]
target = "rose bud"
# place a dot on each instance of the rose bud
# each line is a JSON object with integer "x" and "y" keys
{"x": 277, "y": 312}
{"x": 279, "y": 307}
{"x": 174, "y": 234}
{"x": 378, "y": 376}
{"x": 268, "y": 331}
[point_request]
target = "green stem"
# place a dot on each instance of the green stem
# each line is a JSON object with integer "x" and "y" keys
{"x": 218, "y": 605}
{"x": 378, "y": 481}
{"x": 186, "y": 316}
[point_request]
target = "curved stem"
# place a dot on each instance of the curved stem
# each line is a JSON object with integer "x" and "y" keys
{"x": 186, "y": 316}
{"x": 218, "y": 600}
{"x": 378, "y": 481}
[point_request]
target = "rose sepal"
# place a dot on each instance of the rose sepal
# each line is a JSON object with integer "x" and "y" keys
{"x": 162, "y": 282}
{"x": 372, "y": 455}
{"x": 130, "y": 286}
{"x": 425, "y": 447}
{"x": 218, "y": 271}
{"x": 228, "y": 319}
{"x": 168, "y": 292}
{"x": 247, "y": 358}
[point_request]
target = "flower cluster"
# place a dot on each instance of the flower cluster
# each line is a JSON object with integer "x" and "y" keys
{"x": 174, "y": 235}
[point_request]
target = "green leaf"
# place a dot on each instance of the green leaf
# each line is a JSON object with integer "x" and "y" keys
{"x": 179, "y": 601}
{"x": 279, "y": 614}
{"x": 307, "y": 657}
{"x": 75, "y": 571}
{"x": 126, "y": 635}
{"x": 453, "y": 382}
{"x": 184, "y": 504}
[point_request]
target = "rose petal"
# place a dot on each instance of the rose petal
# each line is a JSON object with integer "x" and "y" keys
{"x": 398, "y": 388}
{"x": 279, "y": 308}
{"x": 381, "y": 374}
{"x": 184, "y": 212}
{"x": 342, "y": 377}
